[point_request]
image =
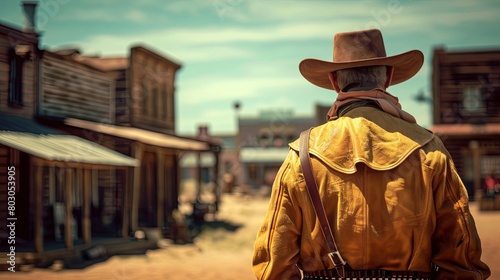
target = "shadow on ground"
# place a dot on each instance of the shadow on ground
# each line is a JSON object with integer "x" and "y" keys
{"x": 97, "y": 254}
{"x": 221, "y": 225}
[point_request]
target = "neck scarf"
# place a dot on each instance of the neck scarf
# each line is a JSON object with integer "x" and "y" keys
{"x": 387, "y": 102}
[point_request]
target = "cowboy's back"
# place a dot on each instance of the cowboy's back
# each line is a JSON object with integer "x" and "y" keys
{"x": 390, "y": 206}
{"x": 391, "y": 193}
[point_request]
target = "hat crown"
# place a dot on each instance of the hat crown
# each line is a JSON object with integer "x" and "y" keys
{"x": 358, "y": 45}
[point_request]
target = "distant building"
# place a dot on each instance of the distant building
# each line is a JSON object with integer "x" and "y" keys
{"x": 466, "y": 107}
{"x": 263, "y": 144}
{"x": 251, "y": 157}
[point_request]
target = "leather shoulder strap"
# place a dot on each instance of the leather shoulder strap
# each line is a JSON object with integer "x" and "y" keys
{"x": 312, "y": 188}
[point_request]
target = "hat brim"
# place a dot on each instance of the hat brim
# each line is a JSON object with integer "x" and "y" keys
{"x": 405, "y": 65}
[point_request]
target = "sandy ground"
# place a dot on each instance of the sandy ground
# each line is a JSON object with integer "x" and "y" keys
{"x": 219, "y": 253}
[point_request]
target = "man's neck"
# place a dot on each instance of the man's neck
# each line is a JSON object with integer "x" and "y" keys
{"x": 359, "y": 86}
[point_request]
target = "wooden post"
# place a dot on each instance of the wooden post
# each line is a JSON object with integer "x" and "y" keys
{"x": 217, "y": 186}
{"x": 198, "y": 175}
{"x": 476, "y": 157}
{"x": 126, "y": 203}
{"x": 137, "y": 152}
{"x": 38, "y": 207}
{"x": 86, "y": 225}
{"x": 68, "y": 227}
{"x": 160, "y": 212}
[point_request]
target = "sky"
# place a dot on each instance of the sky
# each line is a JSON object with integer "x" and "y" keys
{"x": 248, "y": 51}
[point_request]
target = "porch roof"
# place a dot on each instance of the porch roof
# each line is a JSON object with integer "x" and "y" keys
{"x": 29, "y": 136}
{"x": 142, "y": 135}
{"x": 66, "y": 148}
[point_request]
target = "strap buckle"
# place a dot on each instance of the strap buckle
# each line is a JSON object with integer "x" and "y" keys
{"x": 336, "y": 258}
{"x": 339, "y": 262}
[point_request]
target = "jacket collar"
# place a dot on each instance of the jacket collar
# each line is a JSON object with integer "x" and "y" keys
{"x": 386, "y": 101}
{"x": 381, "y": 144}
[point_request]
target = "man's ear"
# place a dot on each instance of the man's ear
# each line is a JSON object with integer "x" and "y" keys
{"x": 389, "y": 74}
{"x": 333, "y": 80}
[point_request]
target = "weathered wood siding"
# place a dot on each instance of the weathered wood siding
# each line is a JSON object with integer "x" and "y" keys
{"x": 466, "y": 91}
{"x": 73, "y": 90}
{"x": 455, "y": 71}
{"x": 9, "y": 39}
{"x": 152, "y": 80}
{"x": 122, "y": 98}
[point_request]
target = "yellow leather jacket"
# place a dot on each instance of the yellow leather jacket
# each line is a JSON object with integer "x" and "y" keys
{"x": 392, "y": 195}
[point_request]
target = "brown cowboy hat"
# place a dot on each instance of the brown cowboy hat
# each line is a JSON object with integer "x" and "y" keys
{"x": 358, "y": 49}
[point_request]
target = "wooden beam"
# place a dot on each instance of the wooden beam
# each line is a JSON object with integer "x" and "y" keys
{"x": 137, "y": 153}
{"x": 217, "y": 189}
{"x": 38, "y": 208}
{"x": 126, "y": 203}
{"x": 476, "y": 158}
{"x": 68, "y": 201}
{"x": 160, "y": 212}
{"x": 470, "y": 57}
{"x": 198, "y": 175}
{"x": 86, "y": 225}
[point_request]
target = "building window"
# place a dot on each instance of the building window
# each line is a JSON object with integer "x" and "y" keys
{"x": 265, "y": 137}
{"x": 473, "y": 101}
{"x": 278, "y": 141}
{"x": 16, "y": 63}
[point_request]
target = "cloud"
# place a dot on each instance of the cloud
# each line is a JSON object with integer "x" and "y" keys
{"x": 206, "y": 43}
{"x": 136, "y": 16}
{"x": 441, "y": 20}
{"x": 227, "y": 87}
{"x": 193, "y": 6}
{"x": 272, "y": 22}
{"x": 105, "y": 15}
{"x": 220, "y": 119}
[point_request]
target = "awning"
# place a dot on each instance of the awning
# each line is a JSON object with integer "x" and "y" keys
{"x": 141, "y": 135}
{"x": 466, "y": 129}
{"x": 263, "y": 155}
{"x": 191, "y": 160}
{"x": 65, "y": 148}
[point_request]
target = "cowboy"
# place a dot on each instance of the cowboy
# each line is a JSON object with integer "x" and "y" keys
{"x": 390, "y": 193}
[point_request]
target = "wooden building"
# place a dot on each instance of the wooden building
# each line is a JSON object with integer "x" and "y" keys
{"x": 49, "y": 169}
{"x": 19, "y": 59}
{"x": 125, "y": 104}
{"x": 70, "y": 89}
{"x": 92, "y": 141}
{"x": 466, "y": 104}
{"x": 55, "y": 189}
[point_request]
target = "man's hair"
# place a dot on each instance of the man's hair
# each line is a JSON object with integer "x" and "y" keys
{"x": 372, "y": 74}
